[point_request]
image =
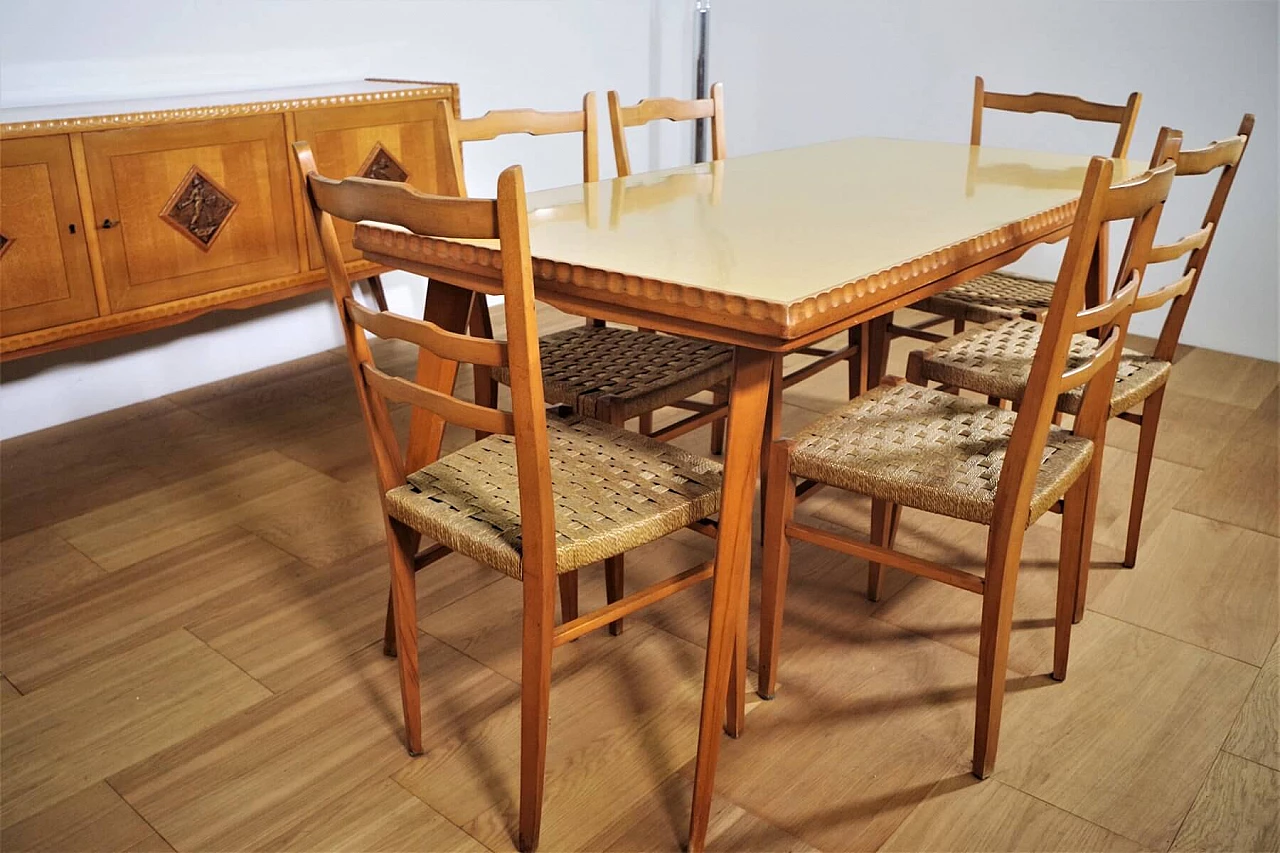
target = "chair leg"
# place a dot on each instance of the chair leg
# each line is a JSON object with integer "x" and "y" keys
{"x": 884, "y": 529}
{"x": 1142, "y": 473}
{"x": 1086, "y": 531}
{"x": 402, "y": 543}
{"x": 646, "y": 424}
{"x": 1003, "y": 553}
{"x": 957, "y": 327}
{"x": 1069, "y": 568}
{"x": 719, "y": 397}
{"x": 776, "y": 563}
{"x": 535, "y": 701}
{"x": 389, "y": 629}
{"x": 568, "y": 596}
{"x": 379, "y": 295}
{"x": 614, "y": 573}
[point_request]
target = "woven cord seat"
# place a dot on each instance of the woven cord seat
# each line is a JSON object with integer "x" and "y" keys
{"x": 995, "y": 360}
{"x": 929, "y": 450}
{"x": 992, "y": 297}
{"x": 614, "y": 490}
{"x": 608, "y": 372}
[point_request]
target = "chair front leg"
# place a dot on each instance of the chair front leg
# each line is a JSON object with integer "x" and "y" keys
{"x": 402, "y": 544}
{"x": 1003, "y": 553}
{"x": 777, "y": 560}
{"x": 1086, "y": 530}
{"x": 1142, "y": 473}
{"x": 1069, "y": 569}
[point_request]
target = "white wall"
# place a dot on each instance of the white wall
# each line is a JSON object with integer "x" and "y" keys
{"x": 795, "y": 71}
{"x": 810, "y": 70}
{"x": 502, "y": 52}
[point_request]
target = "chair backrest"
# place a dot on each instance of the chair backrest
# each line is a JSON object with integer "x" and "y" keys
{"x": 1223, "y": 157}
{"x": 504, "y": 219}
{"x": 1124, "y": 115}
{"x": 497, "y": 123}
{"x": 1140, "y": 200}
{"x": 670, "y": 109}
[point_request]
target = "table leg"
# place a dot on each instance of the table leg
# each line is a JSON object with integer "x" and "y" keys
{"x": 448, "y": 306}
{"x": 748, "y": 401}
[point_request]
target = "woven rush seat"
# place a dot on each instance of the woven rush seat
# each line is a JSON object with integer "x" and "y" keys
{"x": 613, "y": 490}
{"x": 929, "y": 450}
{"x": 995, "y": 360}
{"x": 623, "y": 373}
{"x": 991, "y": 297}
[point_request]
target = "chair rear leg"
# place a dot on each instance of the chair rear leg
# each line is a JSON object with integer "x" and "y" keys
{"x": 1086, "y": 531}
{"x": 402, "y": 543}
{"x": 1069, "y": 568}
{"x": 568, "y": 596}
{"x": 614, "y": 574}
{"x": 379, "y": 294}
{"x": 884, "y": 529}
{"x": 535, "y": 701}
{"x": 776, "y": 563}
{"x": 1142, "y": 473}
{"x": 389, "y": 629}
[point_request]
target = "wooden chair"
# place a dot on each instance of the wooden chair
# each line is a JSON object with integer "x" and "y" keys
{"x": 1003, "y": 295}
{"x": 909, "y": 445}
{"x": 712, "y": 109}
{"x": 995, "y": 359}
{"x": 604, "y": 372}
{"x": 540, "y": 496}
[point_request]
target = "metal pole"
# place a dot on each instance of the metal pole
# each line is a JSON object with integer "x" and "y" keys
{"x": 703, "y": 14}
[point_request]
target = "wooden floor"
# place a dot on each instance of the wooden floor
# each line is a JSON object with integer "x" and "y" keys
{"x": 192, "y": 597}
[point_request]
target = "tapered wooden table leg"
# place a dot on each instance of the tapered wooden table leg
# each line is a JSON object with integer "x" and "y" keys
{"x": 448, "y": 306}
{"x": 748, "y": 401}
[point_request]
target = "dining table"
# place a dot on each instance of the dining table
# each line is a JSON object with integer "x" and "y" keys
{"x": 769, "y": 253}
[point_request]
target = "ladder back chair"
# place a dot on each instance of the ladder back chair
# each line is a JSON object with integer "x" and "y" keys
{"x": 1004, "y": 295}
{"x": 909, "y": 445}
{"x": 995, "y": 359}
{"x": 540, "y": 495}
{"x": 711, "y": 109}
{"x": 604, "y": 372}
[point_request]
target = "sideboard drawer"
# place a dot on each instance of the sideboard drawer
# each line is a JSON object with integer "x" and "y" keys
{"x": 191, "y": 208}
{"x": 390, "y": 141}
{"x": 45, "y": 278}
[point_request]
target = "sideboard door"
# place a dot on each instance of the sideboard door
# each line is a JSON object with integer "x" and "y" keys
{"x": 397, "y": 142}
{"x": 192, "y": 208}
{"x": 45, "y": 279}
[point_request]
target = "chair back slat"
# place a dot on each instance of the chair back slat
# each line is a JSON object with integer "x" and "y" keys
{"x": 1134, "y": 198}
{"x": 669, "y": 109}
{"x": 1156, "y": 298}
{"x": 497, "y": 123}
{"x": 1175, "y": 250}
{"x": 447, "y": 406}
{"x": 355, "y": 199}
{"x": 1201, "y": 161}
{"x": 1122, "y": 115}
{"x": 1089, "y": 368}
{"x": 450, "y": 345}
{"x": 1106, "y": 313}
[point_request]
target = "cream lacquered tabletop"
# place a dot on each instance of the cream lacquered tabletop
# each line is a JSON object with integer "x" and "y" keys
{"x": 779, "y": 228}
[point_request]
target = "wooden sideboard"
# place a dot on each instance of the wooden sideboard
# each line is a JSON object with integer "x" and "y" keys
{"x": 121, "y": 217}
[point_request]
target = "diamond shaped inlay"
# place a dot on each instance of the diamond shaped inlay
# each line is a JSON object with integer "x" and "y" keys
{"x": 199, "y": 208}
{"x": 381, "y": 166}
{"x": 5, "y": 242}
